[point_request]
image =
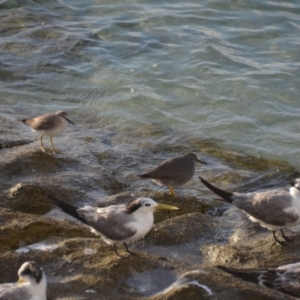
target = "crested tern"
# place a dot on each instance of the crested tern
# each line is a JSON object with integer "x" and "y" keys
{"x": 32, "y": 284}
{"x": 117, "y": 224}
{"x": 273, "y": 209}
{"x": 174, "y": 171}
{"x": 50, "y": 125}
{"x": 284, "y": 279}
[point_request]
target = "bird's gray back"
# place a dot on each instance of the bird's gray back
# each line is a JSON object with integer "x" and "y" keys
{"x": 179, "y": 167}
{"x": 112, "y": 222}
{"x": 13, "y": 292}
{"x": 269, "y": 206}
{"x": 44, "y": 122}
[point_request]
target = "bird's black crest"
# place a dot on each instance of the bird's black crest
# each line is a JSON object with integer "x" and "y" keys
{"x": 133, "y": 206}
{"x": 33, "y": 270}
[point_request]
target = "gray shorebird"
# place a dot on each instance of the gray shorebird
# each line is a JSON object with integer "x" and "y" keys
{"x": 284, "y": 279}
{"x": 273, "y": 209}
{"x": 32, "y": 284}
{"x": 117, "y": 224}
{"x": 50, "y": 125}
{"x": 175, "y": 171}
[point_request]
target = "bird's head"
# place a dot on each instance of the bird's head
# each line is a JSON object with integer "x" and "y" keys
{"x": 147, "y": 205}
{"x": 64, "y": 115}
{"x": 195, "y": 158}
{"x": 30, "y": 272}
{"x": 295, "y": 187}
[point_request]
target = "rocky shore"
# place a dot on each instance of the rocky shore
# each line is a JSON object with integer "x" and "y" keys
{"x": 176, "y": 260}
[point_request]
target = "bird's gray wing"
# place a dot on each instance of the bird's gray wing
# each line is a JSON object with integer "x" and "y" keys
{"x": 286, "y": 281}
{"x": 112, "y": 222}
{"x": 42, "y": 122}
{"x": 169, "y": 169}
{"x": 271, "y": 207}
{"x": 13, "y": 292}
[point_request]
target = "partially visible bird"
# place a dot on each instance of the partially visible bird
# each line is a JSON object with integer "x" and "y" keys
{"x": 273, "y": 209}
{"x": 32, "y": 284}
{"x": 285, "y": 279}
{"x": 50, "y": 125}
{"x": 175, "y": 171}
{"x": 117, "y": 224}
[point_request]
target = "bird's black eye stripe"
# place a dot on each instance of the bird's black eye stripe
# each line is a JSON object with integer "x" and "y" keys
{"x": 148, "y": 204}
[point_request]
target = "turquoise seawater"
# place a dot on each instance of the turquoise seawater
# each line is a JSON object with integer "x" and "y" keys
{"x": 226, "y": 71}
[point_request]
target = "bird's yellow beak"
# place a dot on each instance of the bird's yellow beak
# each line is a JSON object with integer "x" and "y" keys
{"x": 21, "y": 280}
{"x": 165, "y": 206}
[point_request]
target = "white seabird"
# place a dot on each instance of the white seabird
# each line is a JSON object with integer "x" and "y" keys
{"x": 50, "y": 125}
{"x": 32, "y": 284}
{"x": 285, "y": 279}
{"x": 117, "y": 224}
{"x": 273, "y": 209}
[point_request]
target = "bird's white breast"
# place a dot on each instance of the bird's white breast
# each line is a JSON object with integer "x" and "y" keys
{"x": 142, "y": 223}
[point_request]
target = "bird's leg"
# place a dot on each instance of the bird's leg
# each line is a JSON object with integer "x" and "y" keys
{"x": 128, "y": 251}
{"x": 286, "y": 238}
{"x": 53, "y": 148}
{"x": 171, "y": 191}
{"x": 42, "y": 145}
{"x": 120, "y": 256}
{"x": 279, "y": 242}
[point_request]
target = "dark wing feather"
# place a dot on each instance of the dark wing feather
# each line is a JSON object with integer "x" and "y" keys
{"x": 250, "y": 275}
{"x": 42, "y": 124}
{"x": 67, "y": 208}
{"x": 169, "y": 169}
{"x": 227, "y": 196}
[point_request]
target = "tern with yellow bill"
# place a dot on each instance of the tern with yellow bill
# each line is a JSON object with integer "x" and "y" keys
{"x": 117, "y": 224}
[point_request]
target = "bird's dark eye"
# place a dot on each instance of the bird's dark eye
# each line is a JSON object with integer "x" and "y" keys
{"x": 148, "y": 204}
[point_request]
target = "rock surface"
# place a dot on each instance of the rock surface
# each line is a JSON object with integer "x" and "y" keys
{"x": 176, "y": 260}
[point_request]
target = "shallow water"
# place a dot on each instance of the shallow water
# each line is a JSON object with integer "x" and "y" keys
{"x": 154, "y": 79}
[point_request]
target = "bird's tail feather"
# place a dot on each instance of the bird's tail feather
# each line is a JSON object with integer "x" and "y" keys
{"x": 144, "y": 176}
{"x": 250, "y": 275}
{"x": 67, "y": 208}
{"x": 227, "y": 196}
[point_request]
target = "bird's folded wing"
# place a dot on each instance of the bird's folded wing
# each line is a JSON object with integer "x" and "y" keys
{"x": 42, "y": 124}
{"x": 14, "y": 292}
{"x": 114, "y": 224}
{"x": 274, "y": 207}
{"x": 166, "y": 170}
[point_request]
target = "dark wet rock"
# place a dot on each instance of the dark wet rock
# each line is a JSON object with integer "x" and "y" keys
{"x": 19, "y": 229}
{"x": 29, "y": 176}
{"x": 176, "y": 260}
{"x": 11, "y": 144}
{"x": 182, "y": 229}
